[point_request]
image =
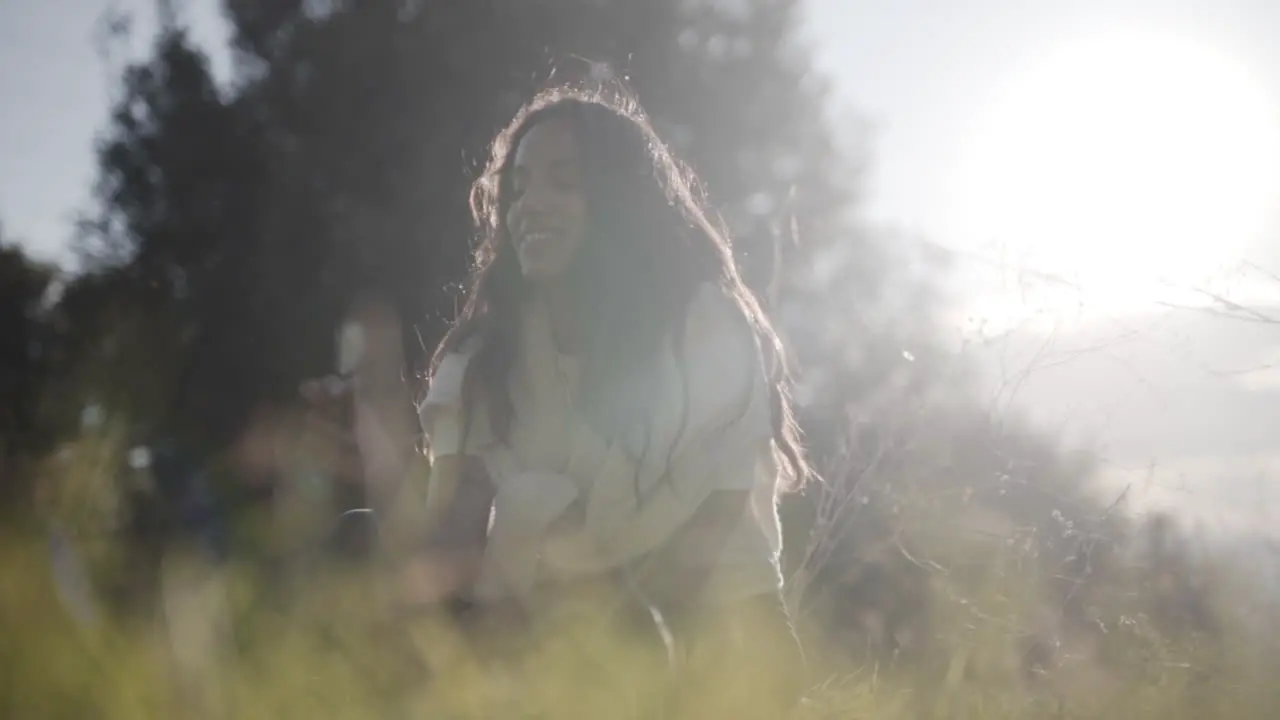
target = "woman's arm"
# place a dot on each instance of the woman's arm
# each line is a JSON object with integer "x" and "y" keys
{"x": 453, "y": 524}
{"x": 459, "y": 497}
{"x": 454, "y": 527}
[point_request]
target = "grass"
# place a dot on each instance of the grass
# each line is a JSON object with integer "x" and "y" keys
{"x": 231, "y": 643}
{"x": 332, "y": 653}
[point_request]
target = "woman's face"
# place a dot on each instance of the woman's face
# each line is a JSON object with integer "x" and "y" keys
{"x": 547, "y": 213}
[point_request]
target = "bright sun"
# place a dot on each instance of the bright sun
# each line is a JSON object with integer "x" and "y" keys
{"x": 1122, "y": 160}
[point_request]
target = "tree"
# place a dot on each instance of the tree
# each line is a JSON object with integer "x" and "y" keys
{"x": 24, "y": 294}
{"x": 170, "y": 252}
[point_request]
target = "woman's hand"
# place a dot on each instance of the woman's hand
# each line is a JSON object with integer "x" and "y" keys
{"x": 383, "y": 418}
{"x": 366, "y": 414}
{"x": 368, "y": 434}
{"x": 328, "y": 425}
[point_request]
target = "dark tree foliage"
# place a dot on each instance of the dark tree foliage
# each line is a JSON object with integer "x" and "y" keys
{"x": 24, "y": 345}
{"x": 179, "y": 189}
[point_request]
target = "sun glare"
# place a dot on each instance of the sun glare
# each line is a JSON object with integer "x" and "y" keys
{"x": 1123, "y": 161}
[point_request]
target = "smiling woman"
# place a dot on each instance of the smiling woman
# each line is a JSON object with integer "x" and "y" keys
{"x": 1126, "y": 160}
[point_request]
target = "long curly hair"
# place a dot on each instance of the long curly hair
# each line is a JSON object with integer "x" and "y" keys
{"x": 651, "y": 244}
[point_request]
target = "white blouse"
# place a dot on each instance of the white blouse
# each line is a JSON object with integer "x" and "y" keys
{"x": 708, "y": 428}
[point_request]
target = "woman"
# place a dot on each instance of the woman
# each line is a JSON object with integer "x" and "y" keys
{"x": 611, "y": 404}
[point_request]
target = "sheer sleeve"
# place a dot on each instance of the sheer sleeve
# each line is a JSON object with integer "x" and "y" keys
{"x": 442, "y": 413}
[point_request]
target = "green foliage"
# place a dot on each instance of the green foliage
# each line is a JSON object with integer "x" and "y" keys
{"x": 335, "y": 650}
{"x": 24, "y": 345}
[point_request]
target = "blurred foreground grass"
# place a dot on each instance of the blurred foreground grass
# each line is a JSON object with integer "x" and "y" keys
{"x": 330, "y": 653}
{"x": 250, "y": 640}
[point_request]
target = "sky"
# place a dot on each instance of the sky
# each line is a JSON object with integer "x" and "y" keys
{"x": 1127, "y": 147}
{"x": 920, "y": 70}
{"x": 58, "y": 84}
{"x": 1009, "y": 129}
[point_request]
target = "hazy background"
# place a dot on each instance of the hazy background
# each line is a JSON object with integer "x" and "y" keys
{"x": 1179, "y": 402}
